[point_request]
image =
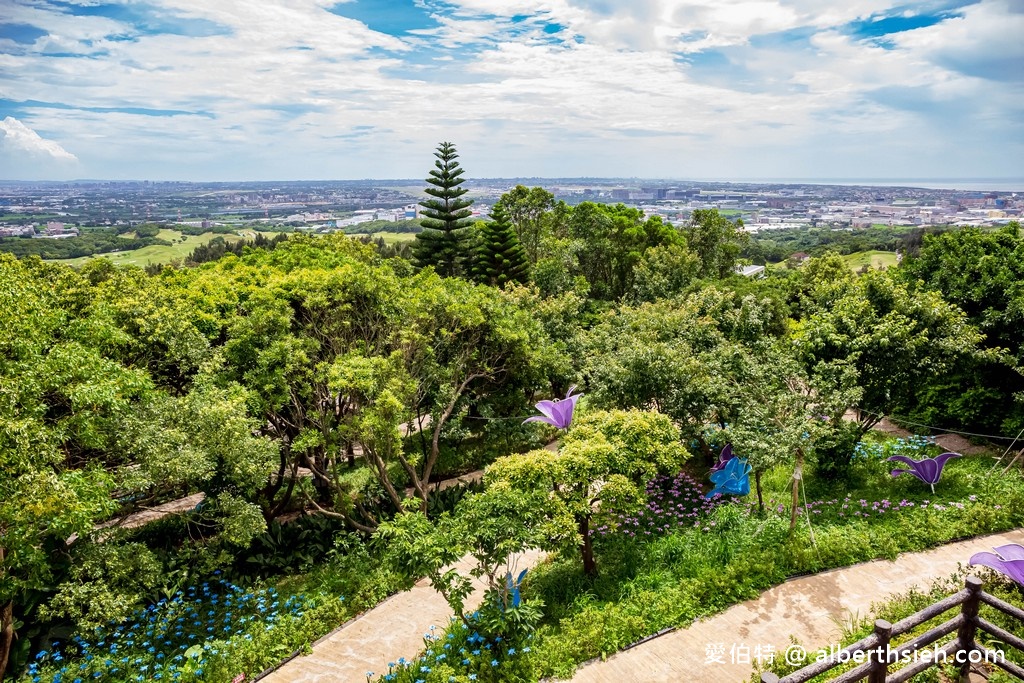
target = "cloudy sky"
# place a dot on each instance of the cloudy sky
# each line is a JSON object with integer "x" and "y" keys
{"x": 701, "y": 89}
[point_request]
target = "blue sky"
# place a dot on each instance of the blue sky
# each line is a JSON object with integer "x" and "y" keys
{"x": 701, "y": 89}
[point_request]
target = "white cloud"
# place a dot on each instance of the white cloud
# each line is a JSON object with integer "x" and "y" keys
{"x": 290, "y": 89}
{"x": 17, "y": 138}
{"x": 25, "y": 155}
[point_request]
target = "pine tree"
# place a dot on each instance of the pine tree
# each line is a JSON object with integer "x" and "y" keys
{"x": 500, "y": 257}
{"x": 446, "y": 238}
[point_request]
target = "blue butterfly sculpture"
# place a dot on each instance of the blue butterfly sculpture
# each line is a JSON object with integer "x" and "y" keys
{"x": 731, "y": 478}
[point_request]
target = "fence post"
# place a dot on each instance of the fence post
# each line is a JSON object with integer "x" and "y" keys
{"x": 969, "y": 628}
{"x": 879, "y": 657}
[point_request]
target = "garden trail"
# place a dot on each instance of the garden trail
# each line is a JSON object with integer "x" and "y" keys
{"x": 393, "y": 629}
{"x": 810, "y": 608}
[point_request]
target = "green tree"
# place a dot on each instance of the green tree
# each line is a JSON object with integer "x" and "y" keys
{"x": 897, "y": 340}
{"x": 605, "y": 459}
{"x": 673, "y": 355}
{"x": 444, "y": 242}
{"x": 982, "y": 272}
{"x": 716, "y": 240}
{"x": 779, "y": 413}
{"x": 500, "y": 258}
{"x": 491, "y": 527}
{"x": 336, "y": 349}
{"x": 530, "y": 213}
{"x": 607, "y": 244}
{"x": 82, "y": 417}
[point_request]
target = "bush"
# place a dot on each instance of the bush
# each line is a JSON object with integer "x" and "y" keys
{"x": 834, "y": 452}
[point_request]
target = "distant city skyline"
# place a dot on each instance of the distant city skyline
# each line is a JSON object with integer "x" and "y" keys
{"x": 885, "y": 91}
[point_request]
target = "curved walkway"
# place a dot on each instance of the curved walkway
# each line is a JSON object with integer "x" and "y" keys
{"x": 810, "y": 608}
{"x": 393, "y": 629}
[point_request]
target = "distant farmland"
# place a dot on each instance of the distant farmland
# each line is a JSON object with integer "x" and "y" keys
{"x": 873, "y": 259}
{"x": 156, "y": 253}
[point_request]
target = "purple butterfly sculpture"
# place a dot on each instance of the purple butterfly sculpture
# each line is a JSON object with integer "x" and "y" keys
{"x": 724, "y": 458}
{"x": 928, "y": 470}
{"x": 557, "y": 412}
{"x": 1008, "y": 559}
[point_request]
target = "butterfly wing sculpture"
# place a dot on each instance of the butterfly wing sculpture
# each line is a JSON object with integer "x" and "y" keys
{"x": 557, "y": 413}
{"x": 928, "y": 470}
{"x": 1007, "y": 559}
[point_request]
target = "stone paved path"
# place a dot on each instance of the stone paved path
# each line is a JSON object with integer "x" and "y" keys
{"x": 393, "y": 629}
{"x": 811, "y": 608}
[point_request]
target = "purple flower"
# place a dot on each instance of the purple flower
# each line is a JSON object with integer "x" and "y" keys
{"x": 724, "y": 458}
{"x": 1008, "y": 559}
{"x": 928, "y": 470}
{"x": 557, "y": 413}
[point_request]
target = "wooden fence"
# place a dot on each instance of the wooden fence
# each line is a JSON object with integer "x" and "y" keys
{"x": 878, "y": 658}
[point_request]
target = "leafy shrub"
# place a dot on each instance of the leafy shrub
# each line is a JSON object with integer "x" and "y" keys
{"x": 295, "y": 546}
{"x": 834, "y": 452}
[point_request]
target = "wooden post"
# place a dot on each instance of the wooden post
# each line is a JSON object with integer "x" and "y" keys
{"x": 969, "y": 628}
{"x": 879, "y": 655}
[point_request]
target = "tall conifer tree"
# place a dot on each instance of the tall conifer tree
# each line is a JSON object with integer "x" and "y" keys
{"x": 500, "y": 256}
{"x": 446, "y": 239}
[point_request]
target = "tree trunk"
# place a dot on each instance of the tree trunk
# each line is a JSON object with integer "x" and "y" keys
{"x": 6, "y": 634}
{"x": 587, "y": 549}
{"x": 798, "y": 474}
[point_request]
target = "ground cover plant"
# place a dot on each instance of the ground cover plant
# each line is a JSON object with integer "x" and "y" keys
{"x": 460, "y": 654}
{"x": 217, "y": 630}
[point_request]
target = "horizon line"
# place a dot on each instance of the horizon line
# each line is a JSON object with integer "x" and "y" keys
{"x": 754, "y": 179}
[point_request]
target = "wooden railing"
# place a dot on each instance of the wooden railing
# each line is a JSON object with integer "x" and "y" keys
{"x": 877, "y": 656}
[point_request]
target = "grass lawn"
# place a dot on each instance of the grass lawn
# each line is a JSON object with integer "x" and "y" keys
{"x": 391, "y": 237}
{"x": 873, "y": 259}
{"x": 156, "y": 253}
